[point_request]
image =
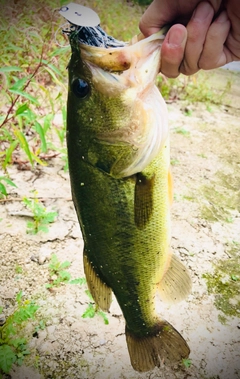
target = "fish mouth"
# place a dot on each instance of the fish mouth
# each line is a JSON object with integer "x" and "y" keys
{"x": 136, "y": 64}
{"x": 128, "y": 74}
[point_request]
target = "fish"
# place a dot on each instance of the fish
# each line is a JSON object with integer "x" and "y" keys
{"x": 119, "y": 164}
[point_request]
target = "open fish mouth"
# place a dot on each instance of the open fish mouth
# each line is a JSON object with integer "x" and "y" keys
{"x": 129, "y": 72}
{"x": 134, "y": 64}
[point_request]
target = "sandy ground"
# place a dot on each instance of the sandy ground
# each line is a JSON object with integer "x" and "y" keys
{"x": 204, "y": 151}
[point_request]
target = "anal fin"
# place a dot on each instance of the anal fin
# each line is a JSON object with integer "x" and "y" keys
{"x": 101, "y": 293}
{"x": 166, "y": 345}
{"x": 176, "y": 283}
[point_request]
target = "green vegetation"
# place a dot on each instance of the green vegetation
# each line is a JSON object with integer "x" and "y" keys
{"x": 224, "y": 283}
{"x": 222, "y": 197}
{"x": 186, "y": 363}
{"x": 59, "y": 275}
{"x": 41, "y": 216}
{"x": 182, "y": 131}
{"x": 93, "y": 310}
{"x": 13, "y": 348}
{"x": 192, "y": 89}
{"x": 35, "y": 89}
{"x": 3, "y": 182}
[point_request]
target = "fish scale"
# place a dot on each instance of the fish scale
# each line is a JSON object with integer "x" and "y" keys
{"x": 122, "y": 195}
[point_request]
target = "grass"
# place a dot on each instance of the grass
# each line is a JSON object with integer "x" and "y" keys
{"x": 4, "y": 181}
{"x": 13, "y": 346}
{"x": 192, "y": 89}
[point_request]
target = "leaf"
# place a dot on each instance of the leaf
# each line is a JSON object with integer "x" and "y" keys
{"x": 78, "y": 281}
{"x": 10, "y": 69}
{"x": 62, "y": 50}
{"x": 89, "y": 312}
{"x": 52, "y": 74}
{"x": 9, "y": 152}
{"x": 52, "y": 67}
{"x": 8, "y": 181}
{"x": 3, "y": 189}
{"x": 18, "y": 85}
{"x": 24, "y": 144}
{"x": 43, "y": 228}
{"x": 21, "y": 109}
{"x": 7, "y": 358}
{"x": 18, "y": 342}
{"x": 47, "y": 122}
{"x": 64, "y": 276}
{"x": 65, "y": 264}
{"x": 40, "y": 131}
{"x": 25, "y": 95}
{"x": 19, "y": 296}
{"x": 89, "y": 295}
{"x": 50, "y": 217}
{"x": 187, "y": 362}
{"x": 104, "y": 316}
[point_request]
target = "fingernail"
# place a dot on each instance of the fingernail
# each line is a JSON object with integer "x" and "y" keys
{"x": 202, "y": 11}
{"x": 223, "y": 17}
{"x": 176, "y": 37}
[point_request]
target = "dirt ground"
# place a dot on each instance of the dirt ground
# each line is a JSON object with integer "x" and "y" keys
{"x": 205, "y": 234}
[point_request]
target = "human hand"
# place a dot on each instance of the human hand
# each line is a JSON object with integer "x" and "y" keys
{"x": 204, "y": 43}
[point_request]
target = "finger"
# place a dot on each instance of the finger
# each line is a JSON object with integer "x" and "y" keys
{"x": 197, "y": 30}
{"x": 158, "y": 14}
{"x": 214, "y": 52}
{"x": 233, "y": 40}
{"x": 172, "y": 51}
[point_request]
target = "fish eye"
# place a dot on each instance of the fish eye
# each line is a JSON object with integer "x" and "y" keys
{"x": 80, "y": 88}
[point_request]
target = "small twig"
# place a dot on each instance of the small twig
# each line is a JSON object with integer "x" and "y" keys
{"x": 7, "y": 118}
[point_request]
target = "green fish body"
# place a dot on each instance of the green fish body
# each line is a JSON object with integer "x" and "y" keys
{"x": 118, "y": 150}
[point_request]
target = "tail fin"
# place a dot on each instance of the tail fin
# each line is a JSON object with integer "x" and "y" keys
{"x": 166, "y": 345}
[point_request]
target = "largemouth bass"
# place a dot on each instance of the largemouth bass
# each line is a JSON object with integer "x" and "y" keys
{"x": 118, "y": 150}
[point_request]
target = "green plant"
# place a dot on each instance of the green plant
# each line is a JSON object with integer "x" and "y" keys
{"x": 59, "y": 275}
{"x": 18, "y": 269}
{"x": 13, "y": 349}
{"x": 41, "y": 326}
{"x": 57, "y": 272}
{"x": 182, "y": 131}
{"x": 186, "y": 363}
{"x": 93, "y": 310}
{"x": 191, "y": 89}
{"x": 3, "y": 190}
{"x": 41, "y": 216}
{"x": 33, "y": 89}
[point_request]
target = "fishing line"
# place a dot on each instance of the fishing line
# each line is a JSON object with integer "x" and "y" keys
{"x": 68, "y": 30}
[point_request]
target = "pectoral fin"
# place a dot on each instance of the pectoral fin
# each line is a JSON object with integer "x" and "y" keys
{"x": 143, "y": 202}
{"x": 176, "y": 283}
{"x": 101, "y": 293}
